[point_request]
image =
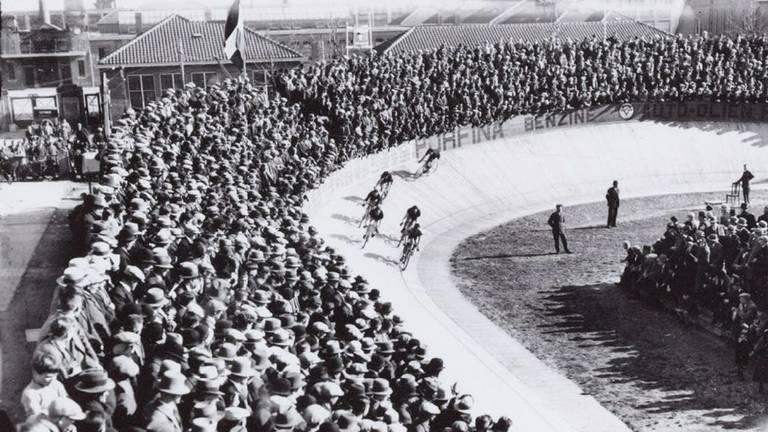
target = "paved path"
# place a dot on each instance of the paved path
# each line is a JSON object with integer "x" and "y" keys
{"x": 478, "y": 187}
{"x": 34, "y": 249}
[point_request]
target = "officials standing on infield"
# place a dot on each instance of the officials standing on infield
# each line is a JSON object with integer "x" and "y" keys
{"x": 557, "y": 223}
{"x": 612, "y": 196}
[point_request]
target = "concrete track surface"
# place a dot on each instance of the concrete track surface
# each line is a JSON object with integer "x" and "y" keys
{"x": 34, "y": 249}
{"x": 478, "y": 187}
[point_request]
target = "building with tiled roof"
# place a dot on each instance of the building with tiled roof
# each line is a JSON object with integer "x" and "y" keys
{"x": 176, "y": 39}
{"x": 177, "y": 51}
{"x": 424, "y": 38}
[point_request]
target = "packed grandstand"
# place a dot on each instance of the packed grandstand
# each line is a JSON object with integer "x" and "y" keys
{"x": 204, "y": 300}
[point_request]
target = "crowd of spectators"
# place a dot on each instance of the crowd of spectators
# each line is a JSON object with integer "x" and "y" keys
{"x": 381, "y": 100}
{"x": 49, "y": 149}
{"x": 713, "y": 264}
{"x": 202, "y": 299}
{"x": 205, "y": 301}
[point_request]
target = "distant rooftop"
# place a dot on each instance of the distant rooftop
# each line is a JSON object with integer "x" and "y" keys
{"x": 200, "y": 42}
{"x": 424, "y": 38}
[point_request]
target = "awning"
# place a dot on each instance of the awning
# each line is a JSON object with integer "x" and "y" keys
{"x": 44, "y": 55}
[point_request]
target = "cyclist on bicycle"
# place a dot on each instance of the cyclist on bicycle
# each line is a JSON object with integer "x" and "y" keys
{"x": 384, "y": 183}
{"x": 429, "y": 157}
{"x": 374, "y": 216}
{"x": 372, "y": 200}
{"x": 411, "y": 216}
{"x": 411, "y": 243}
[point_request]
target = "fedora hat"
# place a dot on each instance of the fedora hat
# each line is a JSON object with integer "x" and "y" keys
{"x": 208, "y": 387}
{"x": 380, "y": 387}
{"x": 155, "y": 298}
{"x": 280, "y": 386}
{"x": 94, "y": 381}
{"x": 72, "y": 276}
{"x": 241, "y": 367}
{"x": 173, "y": 383}
{"x": 163, "y": 261}
{"x": 226, "y": 351}
{"x": 280, "y": 337}
{"x": 271, "y": 325}
{"x": 188, "y": 270}
{"x": 287, "y": 419}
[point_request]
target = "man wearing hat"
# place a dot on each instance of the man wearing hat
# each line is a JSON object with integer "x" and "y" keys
{"x": 237, "y": 389}
{"x": 95, "y": 392}
{"x": 748, "y": 217}
{"x": 162, "y": 414}
{"x": 63, "y": 412}
{"x": 126, "y": 284}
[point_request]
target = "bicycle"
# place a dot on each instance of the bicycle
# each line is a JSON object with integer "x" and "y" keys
{"x": 405, "y": 258}
{"x": 404, "y": 231}
{"x": 384, "y": 190}
{"x": 370, "y": 231}
{"x": 429, "y": 167}
{"x": 366, "y": 214}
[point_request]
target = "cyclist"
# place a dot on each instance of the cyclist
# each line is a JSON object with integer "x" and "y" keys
{"x": 429, "y": 157}
{"x": 411, "y": 216}
{"x": 384, "y": 183}
{"x": 372, "y": 200}
{"x": 374, "y": 216}
{"x": 411, "y": 243}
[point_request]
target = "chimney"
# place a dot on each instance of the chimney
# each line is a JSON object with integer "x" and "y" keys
{"x": 139, "y": 26}
{"x": 45, "y": 14}
{"x": 208, "y": 14}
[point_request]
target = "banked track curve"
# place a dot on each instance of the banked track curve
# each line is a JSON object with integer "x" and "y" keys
{"x": 478, "y": 187}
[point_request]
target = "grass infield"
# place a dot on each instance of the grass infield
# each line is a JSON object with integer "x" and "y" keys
{"x": 639, "y": 362}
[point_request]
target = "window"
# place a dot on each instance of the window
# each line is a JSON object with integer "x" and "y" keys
{"x": 168, "y": 81}
{"x": 10, "y": 71}
{"x": 204, "y": 79}
{"x": 141, "y": 90}
{"x": 29, "y": 75}
{"x": 103, "y": 52}
{"x": 81, "y": 68}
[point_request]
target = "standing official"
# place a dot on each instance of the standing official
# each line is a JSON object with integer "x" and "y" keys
{"x": 612, "y": 196}
{"x": 745, "y": 178}
{"x": 557, "y": 223}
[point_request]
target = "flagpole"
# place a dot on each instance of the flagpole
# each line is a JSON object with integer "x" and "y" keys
{"x": 181, "y": 62}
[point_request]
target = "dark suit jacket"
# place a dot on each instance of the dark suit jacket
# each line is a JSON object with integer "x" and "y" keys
{"x": 556, "y": 221}
{"x": 612, "y": 196}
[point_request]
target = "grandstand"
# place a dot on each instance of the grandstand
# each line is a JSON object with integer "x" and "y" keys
{"x": 223, "y": 285}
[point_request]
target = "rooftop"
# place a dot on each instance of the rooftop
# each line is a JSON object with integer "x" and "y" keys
{"x": 423, "y": 38}
{"x": 200, "y": 42}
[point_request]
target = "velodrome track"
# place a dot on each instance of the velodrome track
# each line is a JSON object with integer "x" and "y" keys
{"x": 477, "y": 187}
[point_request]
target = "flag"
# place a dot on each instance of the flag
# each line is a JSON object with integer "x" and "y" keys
{"x": 234, "y": 35}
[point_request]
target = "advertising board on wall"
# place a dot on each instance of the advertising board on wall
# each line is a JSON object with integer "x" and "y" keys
{"x": 408, "y": 152}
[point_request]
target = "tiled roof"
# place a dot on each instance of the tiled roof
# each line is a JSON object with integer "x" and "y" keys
{"x": 202, "y": 43}
{"x": 432, "y": 37}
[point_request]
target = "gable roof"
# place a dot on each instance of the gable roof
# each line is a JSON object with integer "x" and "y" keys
{"x": 425, "y": 38}
{"x": 201, "y": 43}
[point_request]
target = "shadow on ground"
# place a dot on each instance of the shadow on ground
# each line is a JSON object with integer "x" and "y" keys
{"x": 655, "y": 359}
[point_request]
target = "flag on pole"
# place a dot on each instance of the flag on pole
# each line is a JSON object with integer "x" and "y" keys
{"x": 234, "y": 35}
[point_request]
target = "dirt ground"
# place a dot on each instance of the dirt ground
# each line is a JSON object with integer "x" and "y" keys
{"x": 639, "y": 362}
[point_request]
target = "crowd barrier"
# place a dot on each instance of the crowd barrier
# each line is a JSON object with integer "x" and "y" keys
{"x": 399, "y": 157}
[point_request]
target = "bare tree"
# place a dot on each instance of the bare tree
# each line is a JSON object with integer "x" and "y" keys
{"x": 748, "y": 20}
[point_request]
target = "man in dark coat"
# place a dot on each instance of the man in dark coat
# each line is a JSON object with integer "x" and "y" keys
{"x": 557, "y": 223}
{"x": 749, "y": 217}
{"x": 745, "y": 178}
{"x": 612, "y": 196}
